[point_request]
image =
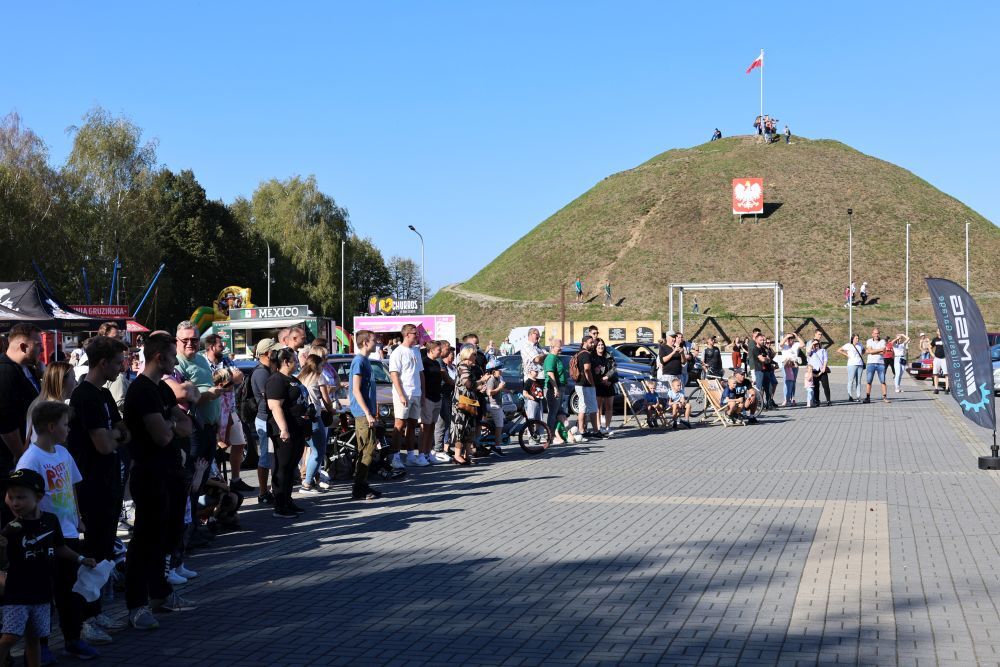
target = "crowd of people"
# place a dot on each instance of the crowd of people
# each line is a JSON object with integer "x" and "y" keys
{"x": 156, "y": 428}
{"x": 767, "y": 126}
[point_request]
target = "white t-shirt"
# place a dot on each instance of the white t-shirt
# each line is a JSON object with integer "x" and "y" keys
{"x": 60, "y": 474}
{"x": 879, "y": 345}
{"x": 406, "y": 361}
{"x": 899, "y": 350}
{"x": 853, "y": 356}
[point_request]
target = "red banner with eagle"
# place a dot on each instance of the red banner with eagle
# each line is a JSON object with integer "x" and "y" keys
{"x": 748, "y": 196}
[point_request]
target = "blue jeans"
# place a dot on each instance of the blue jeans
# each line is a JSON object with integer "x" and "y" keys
{"x": 876, "y": 369}
{"x": 264, "y": 461}
{"x": 900, "y": 369}
{"x": 791, "y": 374}
{"x": 854, "y": 381}
{"x": 317, "y": 453}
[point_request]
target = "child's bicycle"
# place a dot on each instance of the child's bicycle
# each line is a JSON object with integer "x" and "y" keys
{"x": 532, "y": 435}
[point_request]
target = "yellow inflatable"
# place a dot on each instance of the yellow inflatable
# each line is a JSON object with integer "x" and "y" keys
{"x": 229, "y": 298}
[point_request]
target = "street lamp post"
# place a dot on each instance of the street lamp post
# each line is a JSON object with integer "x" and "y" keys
{"x": 422, "y": 266}
{"x": 342, "y": 246}
{"x": 850, "y": 271}
{"x": 907, "y": 317}
{"x": 269, "y": 260}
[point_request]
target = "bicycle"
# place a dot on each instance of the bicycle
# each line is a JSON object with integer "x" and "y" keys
{"x": 533, "y": 435}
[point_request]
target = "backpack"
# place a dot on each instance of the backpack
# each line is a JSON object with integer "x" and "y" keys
{"x": 246, "y": 401}
{"x": 574, "y": 367}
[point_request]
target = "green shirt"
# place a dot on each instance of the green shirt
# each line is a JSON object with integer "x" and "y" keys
{"x": 199, "y": 373}
{"x": 553, "y": 363}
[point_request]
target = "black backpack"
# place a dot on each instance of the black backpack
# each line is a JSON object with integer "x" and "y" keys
{"x": 246, "y": 401}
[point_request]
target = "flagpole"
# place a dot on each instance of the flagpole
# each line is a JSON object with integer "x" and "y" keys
{"x": 762, "y": 87}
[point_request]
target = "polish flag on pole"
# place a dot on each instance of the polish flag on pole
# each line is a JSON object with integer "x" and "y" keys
{"x": 759, "y": 62}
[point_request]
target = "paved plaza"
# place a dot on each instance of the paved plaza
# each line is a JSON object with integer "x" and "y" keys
{"x": 860, "y": 534}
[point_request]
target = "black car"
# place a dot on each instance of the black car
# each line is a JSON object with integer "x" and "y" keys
{"x": 623, "y": 361}
{"x": 513, "y": 377}
{"x": 645, "y": 353}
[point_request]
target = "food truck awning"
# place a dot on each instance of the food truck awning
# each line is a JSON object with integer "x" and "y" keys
{"x": 257, "y": 324}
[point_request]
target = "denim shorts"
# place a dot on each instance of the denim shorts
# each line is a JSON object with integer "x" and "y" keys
{"x": 263, "y": 442}
{"x": 876, "y": 368}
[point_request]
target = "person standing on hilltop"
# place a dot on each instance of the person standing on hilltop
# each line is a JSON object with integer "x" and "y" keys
{"x": 607, "y": 293}
{"x": 788, "y": 135}
{"x": 864, "y": 292}
{"x": 694, "y": 307}
{"x": 578, "y": 286}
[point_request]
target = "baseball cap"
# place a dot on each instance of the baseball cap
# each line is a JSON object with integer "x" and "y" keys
{"x": 738, "y": 371}
{"x": 28, "y": 479}
{"x": 671, "y": 333}
{"x": 493, "y": 365}
{"x": 265, "y": 346}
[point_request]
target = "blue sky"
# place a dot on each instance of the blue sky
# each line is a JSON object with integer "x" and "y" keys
{"x": 491, "y": 116}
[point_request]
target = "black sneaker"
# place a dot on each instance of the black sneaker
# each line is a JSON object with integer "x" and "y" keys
{"x": 686, "y": 423}
{"x": 367, "y": 493}
{"x": 266, "y": 498}
{"x": 284, "y": 514}
{"x": 850, "y": 400}
{"x": 751, "y": 420}
{"x": 240, "y": 485}
{"x": 936, "y": 391}
{"x": 295, "y": 508}
{"x": 868, "y": 399}
{"x": 675, "y": 425}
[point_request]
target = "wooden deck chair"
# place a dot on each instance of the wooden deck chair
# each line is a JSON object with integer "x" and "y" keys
{"x": 713, "y": 394}
{"x": 631, "y": 396}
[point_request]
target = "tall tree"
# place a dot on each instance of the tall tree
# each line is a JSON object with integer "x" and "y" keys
{"x": 367, "y": 275}
{"x": 305, "y": 228}
{"x": 404, "y": 279}
{"x": 109, "y": 170}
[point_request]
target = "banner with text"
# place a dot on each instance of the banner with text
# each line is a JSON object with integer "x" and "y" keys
{"x": 967, "y": 350}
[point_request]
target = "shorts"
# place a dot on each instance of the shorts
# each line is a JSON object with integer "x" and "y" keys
{"x": 533, "y": 409}
{"x": 411, "y": 410}
{"x": 32, "y": 620}
{"x": 430, "y": 411}
{"x": 940, "y": 367}
{"x": 496, "y": 414}
{"x": 263, "y": 445}
{"x": 236, "y": 435}
{"x": 588, "y": 399}
{"x": 876, "y": 368}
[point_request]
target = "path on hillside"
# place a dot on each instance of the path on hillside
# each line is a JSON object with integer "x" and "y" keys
{"x": 479, "y": 297}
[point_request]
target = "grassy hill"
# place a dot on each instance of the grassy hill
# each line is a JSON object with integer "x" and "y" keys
{"x": 669, "y": 220}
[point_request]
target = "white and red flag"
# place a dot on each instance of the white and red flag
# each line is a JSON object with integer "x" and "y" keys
{"x": 759, "y": 62}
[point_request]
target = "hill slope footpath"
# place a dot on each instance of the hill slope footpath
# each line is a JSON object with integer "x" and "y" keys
{"x": 669, "y": 220}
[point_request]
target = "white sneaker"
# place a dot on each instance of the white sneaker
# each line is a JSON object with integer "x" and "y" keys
{"x": 574, "y": 430}
{"x": 92, "y": 633}
{"x": 175, "y": 579}
{"x": 440, "y": 457}
{"x": 184, "y": 572}
{"x": 397, "y": 462}
{"x": 609, "y": 432}
{"x": 421, "y": 461}
{"x": 577, "y": 438}
{"x": 109, "y": 624}
{"x": 323, "y": 485}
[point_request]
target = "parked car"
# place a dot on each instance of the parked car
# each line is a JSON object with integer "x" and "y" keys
{"x": 995, "y": 358}
{"x": 645, "y": 353}
{"x": 921, "y": 369}
{"x": 513, "y": 376}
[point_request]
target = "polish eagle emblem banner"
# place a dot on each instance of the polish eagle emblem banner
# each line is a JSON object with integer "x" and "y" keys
{"x": 748, "y": 196}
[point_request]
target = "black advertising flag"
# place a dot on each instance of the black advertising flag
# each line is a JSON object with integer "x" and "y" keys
{"x": 967, "y": 350}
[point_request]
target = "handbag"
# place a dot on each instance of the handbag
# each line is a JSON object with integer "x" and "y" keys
{"x": 466, "y": 404}
{"x": 326, "y": 418}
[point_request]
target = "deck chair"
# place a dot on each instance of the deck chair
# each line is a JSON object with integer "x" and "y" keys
{"x": 631, "y": 398}
{"x": 713, "y": 394}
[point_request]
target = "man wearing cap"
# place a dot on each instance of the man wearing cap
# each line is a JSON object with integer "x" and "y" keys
{"x": 258, "y": 378}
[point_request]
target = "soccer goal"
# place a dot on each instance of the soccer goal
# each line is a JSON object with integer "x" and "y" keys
{"x": 680, "y": 288}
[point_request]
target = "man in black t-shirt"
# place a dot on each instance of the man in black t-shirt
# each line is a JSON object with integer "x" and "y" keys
{"x": 96, "y": 433}
{"x": 258, "y": 379}
{"x": 154, "y": 420}
{"x": 939, "y": 363}
{"x": 586, "y": 390}
{"x": 431, "y": 404}
{"x": 18, "y": 388}
{"x": 673, "y": 358}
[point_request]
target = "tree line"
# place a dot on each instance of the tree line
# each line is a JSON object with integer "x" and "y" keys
{"x": 112, "y": 199}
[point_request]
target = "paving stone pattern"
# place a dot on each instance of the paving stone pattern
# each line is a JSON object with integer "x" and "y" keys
{"x": 859, "y": 534}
